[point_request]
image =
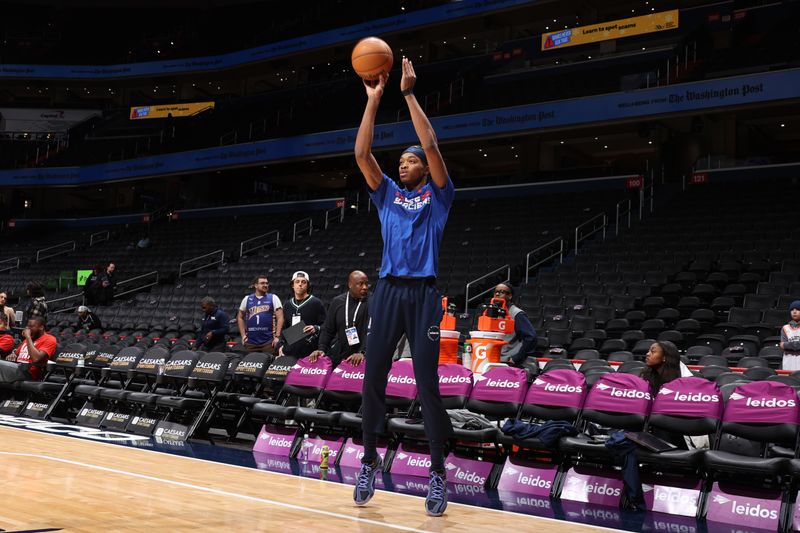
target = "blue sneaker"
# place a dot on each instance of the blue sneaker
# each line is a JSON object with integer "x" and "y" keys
{"x": 365, "y": 486}
{"x": 436, "y": 502}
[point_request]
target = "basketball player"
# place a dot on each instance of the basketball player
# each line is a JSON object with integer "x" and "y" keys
{"x": 406, "y": 300}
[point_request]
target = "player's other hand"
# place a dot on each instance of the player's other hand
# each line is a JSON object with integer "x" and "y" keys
{"x": 316, "y": 354}
{"x": 409, "y": 78}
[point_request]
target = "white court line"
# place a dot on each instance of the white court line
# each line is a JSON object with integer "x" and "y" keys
{"x": 269, "y": 472}
{"x": 221, "y": 492}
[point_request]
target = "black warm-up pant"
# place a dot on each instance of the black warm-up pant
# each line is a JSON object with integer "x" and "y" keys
{"x": 412, "y": 306}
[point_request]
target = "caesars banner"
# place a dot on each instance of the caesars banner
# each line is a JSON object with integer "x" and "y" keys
{"x": 176, "y": 110}
{"x": 605, "y": 31}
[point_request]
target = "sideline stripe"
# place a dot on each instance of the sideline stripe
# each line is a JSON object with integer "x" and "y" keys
{"x": 221, "y": 492}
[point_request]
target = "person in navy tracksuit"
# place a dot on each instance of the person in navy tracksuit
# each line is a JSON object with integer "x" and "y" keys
{"x": 406, "y": 300}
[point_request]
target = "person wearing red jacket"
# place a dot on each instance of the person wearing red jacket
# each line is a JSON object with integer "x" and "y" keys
{"x": 36, "y": 348}
{"x": 6, "y": 337}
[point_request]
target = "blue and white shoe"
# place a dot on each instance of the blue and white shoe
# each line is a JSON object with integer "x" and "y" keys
{"x": 436, "y": 502}
{"x": 365, "y": 486}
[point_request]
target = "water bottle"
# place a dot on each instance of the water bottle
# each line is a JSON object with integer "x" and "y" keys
{"x": 304, "y": 450}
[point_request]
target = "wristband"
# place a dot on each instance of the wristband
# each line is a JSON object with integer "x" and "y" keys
{"x": 407, "y": 92}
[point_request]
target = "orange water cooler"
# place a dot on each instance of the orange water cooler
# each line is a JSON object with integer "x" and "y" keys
{"x": 448, "y": 343}
{"x": 484, "y": 347}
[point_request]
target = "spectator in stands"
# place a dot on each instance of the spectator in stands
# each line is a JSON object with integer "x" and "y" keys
{"x": 344, "y": 334}
{"x": 260, "y": 318}
{"x": 87, "y": 320}
{"x": 35, "y": 349}
{"x": 521, "y": 343}
{"x": 108, "y": 283}
{"x": 7, "y": 311}
{"x": 790, "y": 339}
{"x": 6, "y": 337}
{"x": 214, "y": 331}
{"x": 37, "y": 307}
{"x": 663, "y": 365}
{"x": 302, "y": 306}
{"x": 92, "y": 287}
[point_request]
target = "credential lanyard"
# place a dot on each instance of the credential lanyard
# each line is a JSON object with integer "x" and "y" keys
{"x": 347, "y": 311}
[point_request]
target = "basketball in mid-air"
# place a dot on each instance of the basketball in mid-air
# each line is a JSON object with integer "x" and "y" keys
{"x": 371, "y": 57}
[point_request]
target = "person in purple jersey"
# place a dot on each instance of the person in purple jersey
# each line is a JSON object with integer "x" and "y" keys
{"x": 260, "y": 318}
{"x": 406, "y": 300}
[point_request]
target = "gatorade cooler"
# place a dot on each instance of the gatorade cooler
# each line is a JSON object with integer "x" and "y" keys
{"x": 483, "y": 348}
{"x": 448, "y": 317}
{"x": 495, "y": 317}
{"x": 448, "y": 347}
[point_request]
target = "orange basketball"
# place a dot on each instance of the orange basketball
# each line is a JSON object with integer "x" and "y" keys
{"x": 371, "y": 57}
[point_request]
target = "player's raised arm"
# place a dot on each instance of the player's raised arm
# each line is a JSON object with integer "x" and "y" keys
{"x": 366, "y": 161}
{"x": 425, "y": 133}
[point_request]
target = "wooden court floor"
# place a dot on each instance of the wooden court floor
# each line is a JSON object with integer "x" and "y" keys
{"x": 51, "y": 482}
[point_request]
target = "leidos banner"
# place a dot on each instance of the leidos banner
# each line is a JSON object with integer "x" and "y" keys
{"x": 176, "y": 110}
{"x": 605, "y": 31}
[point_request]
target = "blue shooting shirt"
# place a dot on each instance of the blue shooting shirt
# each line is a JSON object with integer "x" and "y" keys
{"x": 412, "y": 224}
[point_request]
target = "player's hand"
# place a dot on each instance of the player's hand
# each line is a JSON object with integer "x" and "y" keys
{"x": 26, "y": 333}
{"x": 409, "y": 78}
{"x": 275, "y": 342}
{"x": 355, "y": 359}
{"x": 316, "y": 354}
{"x": 375, "y": 87}
{"x": 309, "y": 329}
{"x": 280, "y": 351}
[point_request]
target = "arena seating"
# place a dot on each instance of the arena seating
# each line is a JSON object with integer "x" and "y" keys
{"x": 698, "y": 273}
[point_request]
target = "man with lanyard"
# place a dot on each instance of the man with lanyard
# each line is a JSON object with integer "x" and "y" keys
{"x": 344, "y": 334}
{"x": 214, "y": 328}
{"x": 521, "y": 343}
{"x": 260, "y": 318}
{"x": 36, "y": 348}
{"x": 303, "y": 307}
{"x": 406, "y": 299}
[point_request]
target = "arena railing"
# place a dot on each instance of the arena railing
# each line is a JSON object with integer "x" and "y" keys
{"x": 554, "y": 248}
{"x": 299, "y": 227}
{"x": 147, "y": 280}
{"x": 78, "y": 298}
{"x": 9, "y": 264}
{"x": 623, "y": 209}
{"x": 98, "y": 237}
{"x": 200, "y": 262}
{"x": 56, "y": 249}
{"x": 491, "y": 276}
{"x": 267, "y": 239}
{"x": 647, "y": 196}
{"x": 337, "y": 214}
{"x": 596, "y": 224}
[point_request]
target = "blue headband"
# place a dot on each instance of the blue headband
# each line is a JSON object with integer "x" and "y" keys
{"x": 417, "y": 151}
